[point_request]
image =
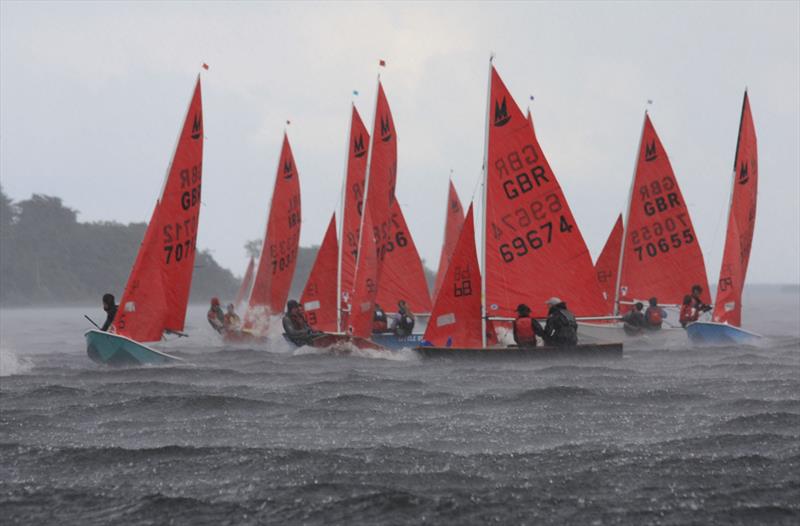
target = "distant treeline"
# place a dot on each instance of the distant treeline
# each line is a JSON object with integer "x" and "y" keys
{"x": 47, "y": 256}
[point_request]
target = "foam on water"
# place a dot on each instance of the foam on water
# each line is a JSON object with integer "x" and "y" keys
{"x": 11, "y": 363}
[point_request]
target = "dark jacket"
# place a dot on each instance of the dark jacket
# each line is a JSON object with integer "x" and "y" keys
{"x": 111, "y": 314}
{"x": 561, "y": 327}
{"x": 296, "y": 328}
{"x": 633, "y": 322}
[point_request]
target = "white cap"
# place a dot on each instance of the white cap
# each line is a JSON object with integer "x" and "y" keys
{"x": 552, "y": 301}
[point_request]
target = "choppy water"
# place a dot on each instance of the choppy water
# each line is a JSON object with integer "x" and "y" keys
{"x": 677, "y": 435}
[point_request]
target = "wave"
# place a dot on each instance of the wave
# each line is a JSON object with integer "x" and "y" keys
{"x": 773, "y": 421}
{"x": 11, "y": 363}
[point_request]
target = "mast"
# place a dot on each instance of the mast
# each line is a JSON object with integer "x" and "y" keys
{"x": 367, "y": 175}
{"x": 485, "y": 175}
{"x": 342, "y": 199}
{"x": 625, "y": 219}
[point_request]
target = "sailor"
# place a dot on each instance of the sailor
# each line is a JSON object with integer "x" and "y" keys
{"x": 379, "y": 320}
{"x": 697, "y": 303}
{"x": 295, "y": 325}
{"x": 633, "y": 320}
{"x": 688, "y": 313}
{"x": 215, "y": 315}
{"x": 654, "y": 315}
{"x": 526, "y": 328}
{"x": 231, "y": 320}
{"x": 561, "y": 328}
{"x": 403, "y": 320}
{"x": 110, "y": 306}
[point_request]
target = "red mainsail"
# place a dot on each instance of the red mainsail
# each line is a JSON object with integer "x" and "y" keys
{"x": 319, "y": 295}
{"x": 456, "y": 316}
{"x": 382, "y": 174}
{"x": 279, "y": 251}
{"x": 452, "y": 228}
{"x": 355, "y": 176}
{"x": 365, "y": 288}
{"x": 402, "y": 276}
{"x": 157, "y": 291}
{"x": 661, "y": 256}
{"x": 247, "y": 282}
{"x": 607, "y": 264}
{"x": 741, "y": 223}
{"x": 534, "y": 249}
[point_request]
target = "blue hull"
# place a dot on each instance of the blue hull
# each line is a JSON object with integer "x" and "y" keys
{"x": 395, "y": 343}
{"x": 118, "y": 351}
{"x": 711, "y": 333}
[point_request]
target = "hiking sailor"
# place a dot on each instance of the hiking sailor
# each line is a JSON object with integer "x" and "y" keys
{"x": 295, "y": 325}
{"x": 110, "y": 306}
{"x": 403, "y": 320}
{"x": 379, "y": 320}
{"x": 215, "y": 315}
{"x": 561, "y": 328}
{"x": 231, "y": 320}
{"x": 633, "y": 320}
{"x": 697, "y": 303}
{"x": 526, "y": 329}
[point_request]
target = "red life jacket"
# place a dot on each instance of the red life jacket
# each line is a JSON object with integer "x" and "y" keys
{"x": 523, "y": 330}
{"x": 653, "y": 316}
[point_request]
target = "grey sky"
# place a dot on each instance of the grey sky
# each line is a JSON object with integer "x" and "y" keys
{"x": 92, "y": 95}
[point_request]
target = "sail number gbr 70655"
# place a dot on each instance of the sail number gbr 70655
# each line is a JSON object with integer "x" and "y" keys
{"x": 661, "y": 237}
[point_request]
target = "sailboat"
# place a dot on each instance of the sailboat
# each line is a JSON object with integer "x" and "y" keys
{"x": 660, "y": 255}
{"x": 607, "y": 264}
{"x": 454, "y": 221}
{"x": 155, "y": 297}
{"x": 247, "y": 283}
{"x": 530, "y": 245}
{"x": 276, "y": 264}
{"x": 727, "y": 314}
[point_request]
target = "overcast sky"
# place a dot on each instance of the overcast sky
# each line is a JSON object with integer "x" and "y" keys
{"x": 92, "y": 96}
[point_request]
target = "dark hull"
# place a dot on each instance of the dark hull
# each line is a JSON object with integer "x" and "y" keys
{"x": 588, "y": 350}
{"x": 338, "y": 342}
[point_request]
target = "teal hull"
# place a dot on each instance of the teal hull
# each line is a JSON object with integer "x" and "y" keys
{"x": 118, "y": 351}
{"x": 712, "y": 333}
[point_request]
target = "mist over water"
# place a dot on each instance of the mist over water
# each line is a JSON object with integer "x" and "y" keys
{"x": 282, "y": 435}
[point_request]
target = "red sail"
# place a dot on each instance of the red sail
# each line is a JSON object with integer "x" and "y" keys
{"x": 534, "y": 249}
{"x": 382, "y": 174}
{"x": 363, "y": 295}
{"x": 661, "y": 255}
{"x": 244, "y": 288}
{"x": 353, "y": 199}
{"x": 741, "y": 222}
{"x": 319, "y": 295}
{"x": 402, "y": 276}
{"x": 452, "y": 228}
{"x": 157, "y": 292}
{"x": 608, "y": 264}
{"x": 456, "y": 316}
{"x": 279, "y": 251}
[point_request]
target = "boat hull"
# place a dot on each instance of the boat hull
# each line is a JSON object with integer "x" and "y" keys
{"x": 339, "y": 342}
{"x": 118, "y": 351}
{"x": 583, "y": 350}
{"x": 615, "y": 332}
{"x": 712, "y": 333}
{"x": 394, "y": 342}
{"x": 243, "y": 337}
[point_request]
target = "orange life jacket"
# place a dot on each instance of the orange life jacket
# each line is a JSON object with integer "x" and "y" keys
{"x": 523, "y": 330}
{"x": 653, "y": 316}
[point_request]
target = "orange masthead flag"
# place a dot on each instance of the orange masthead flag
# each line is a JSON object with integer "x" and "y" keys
{"x": 741, "y": 223}
{"x": 157, "y": 291}
{"x": 534, "y": 249}
{"x": 661, "y": 256}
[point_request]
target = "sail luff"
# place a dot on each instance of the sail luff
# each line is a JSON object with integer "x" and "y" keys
{"x": 484, "y": 200}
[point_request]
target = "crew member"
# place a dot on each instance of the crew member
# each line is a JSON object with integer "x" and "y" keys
{"x": 404, "y": 319}
{"x": 688, "y": 313}
{"x": 110, "y": 306}
{"x": 295, "y": 325}
{"x": 526, "y": 328}
{"x": 633, "y": 320}
{"x": 379, "y": 320}
{"x": 215, "y": 316}
{"x": 231, "y": 320}
{"x": 697, "y": 303}
{"x": 561, "y": 328}
{"x": 654, "y": 315}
